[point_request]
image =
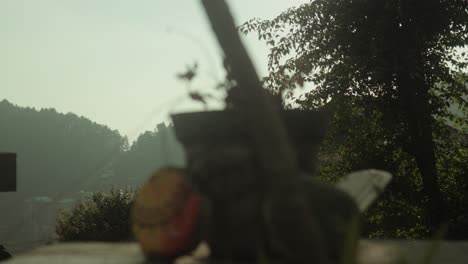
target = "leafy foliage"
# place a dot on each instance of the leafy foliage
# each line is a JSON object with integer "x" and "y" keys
{"x": 356, "y": 47}
{"x": 394, "y": 75}
{"x": 99, "y": 217}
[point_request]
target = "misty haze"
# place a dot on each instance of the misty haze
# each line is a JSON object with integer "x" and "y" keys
{"x": 110, "y": 109}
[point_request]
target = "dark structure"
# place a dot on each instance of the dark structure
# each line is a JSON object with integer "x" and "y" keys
{"x": 253, "y": 162}
{"x": 7, "y": 184}
{"x": 4, "y": 255}
{"x": 222, "y": 165}
{"x": 7, "y": 172}
{"x": 250, "y": 160}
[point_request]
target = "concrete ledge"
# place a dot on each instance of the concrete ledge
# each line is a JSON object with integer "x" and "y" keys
{"x": 370, "y": 252}
{"x": 412, "y": 251}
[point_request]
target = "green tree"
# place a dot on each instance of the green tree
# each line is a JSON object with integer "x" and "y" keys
{"x": 150, "y": 151}
{"x": 396, "y": 62}
{"x": 99, "y": 217}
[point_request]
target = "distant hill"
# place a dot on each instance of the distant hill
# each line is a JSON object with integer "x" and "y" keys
{"x": 60, "y": 157}
{"x": 55, "y": 151}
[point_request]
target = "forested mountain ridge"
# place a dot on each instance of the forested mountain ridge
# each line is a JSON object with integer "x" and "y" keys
{"x": 58, "y": 147}
{"x": 53, "y": 147}
{"x": 62, "y": 156}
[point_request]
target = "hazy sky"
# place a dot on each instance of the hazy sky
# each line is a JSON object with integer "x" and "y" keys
{"x": 115, "y": 61}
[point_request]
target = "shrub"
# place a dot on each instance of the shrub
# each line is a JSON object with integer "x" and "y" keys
{"x": 99, "y": 217}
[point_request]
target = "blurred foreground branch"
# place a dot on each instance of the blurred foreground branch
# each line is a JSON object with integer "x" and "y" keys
{"x": 294, "y": 226}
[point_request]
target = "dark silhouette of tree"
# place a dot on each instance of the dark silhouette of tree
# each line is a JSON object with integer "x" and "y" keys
{"x": 396, "y": 61}
{"x": 150, "y": 151}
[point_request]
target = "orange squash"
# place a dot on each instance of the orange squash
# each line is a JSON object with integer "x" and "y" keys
{"x": 166, "y": 215}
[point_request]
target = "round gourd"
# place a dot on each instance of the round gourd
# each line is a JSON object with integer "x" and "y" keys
{"x": 166, "y": 216}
